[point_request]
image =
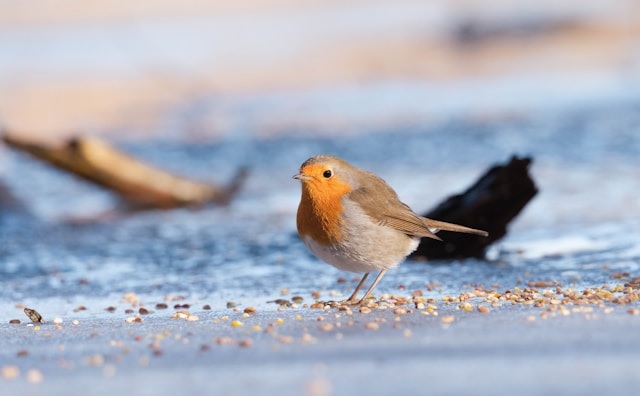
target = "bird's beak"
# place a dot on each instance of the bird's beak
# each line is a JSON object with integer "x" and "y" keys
{"x": 301, "y": 176}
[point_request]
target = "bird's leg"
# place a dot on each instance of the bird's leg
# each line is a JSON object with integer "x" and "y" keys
{"x": 373, "y": 285}
{"x": 355, "y": 292}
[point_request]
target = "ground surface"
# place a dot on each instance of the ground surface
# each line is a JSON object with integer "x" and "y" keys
{"x": 561, "y": 289}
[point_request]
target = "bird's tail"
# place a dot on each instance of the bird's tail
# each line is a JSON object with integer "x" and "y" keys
{"x": 435, "y": 226}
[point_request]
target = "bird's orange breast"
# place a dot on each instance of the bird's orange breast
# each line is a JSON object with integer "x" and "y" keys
{"x": 320, "y": 211}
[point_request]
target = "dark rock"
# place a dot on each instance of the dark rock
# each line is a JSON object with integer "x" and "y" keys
{"x": 490, "y": 204}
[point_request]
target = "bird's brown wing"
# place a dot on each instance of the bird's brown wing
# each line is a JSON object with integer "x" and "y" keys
{"x": 381, "y": 203}
{"x": 436, "y": 225}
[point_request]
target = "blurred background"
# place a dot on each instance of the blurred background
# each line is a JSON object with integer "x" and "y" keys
{"x": 195, "y": 68}
{"x": 426, "y": 93}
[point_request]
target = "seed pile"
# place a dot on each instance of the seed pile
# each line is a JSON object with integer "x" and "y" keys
{"x": 309, "y": 320}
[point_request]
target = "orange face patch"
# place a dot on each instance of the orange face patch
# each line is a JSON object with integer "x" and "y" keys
{"x": 320, "y": 211}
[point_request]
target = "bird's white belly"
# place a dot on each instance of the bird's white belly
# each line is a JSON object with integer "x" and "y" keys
{"x": 355, "y": 257}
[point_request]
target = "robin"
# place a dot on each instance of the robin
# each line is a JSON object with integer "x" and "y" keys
{"x": 353, "y": 220}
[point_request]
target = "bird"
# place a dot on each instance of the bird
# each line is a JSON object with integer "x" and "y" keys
{"x": 352, "y": 219}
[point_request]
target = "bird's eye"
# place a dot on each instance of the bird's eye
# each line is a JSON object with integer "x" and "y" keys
{"x": 327, "y": 174}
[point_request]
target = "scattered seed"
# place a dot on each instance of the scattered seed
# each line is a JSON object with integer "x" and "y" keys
{"x": 236, "y": 323}
{"x": 468, "y": 307}
{"x": 400, "y": 311}
{"x": 131, "y": 298}
{"x": 297, "y": 299}
{"x": 128, "y": 311}
{"x": 325, "y": 327}
{"x": 143, "y": 311}
{"x": 279, "y": 321}
{"x": 307, "y": 339}
{"x": 365, "y": 310}
{"x": 224, "y": 341}
{"x": 14, "y": 321}
{"x": 95, "y": 360}
{"x": 249, "y": 310}
{"x": 34, "y": 376}
{"x": 80, "y": 308}
{"x": 245, "y": 343}
{"x": 633, "y": 311}
{"x": 371, "y": 326}
{"x": 22, "y": 353}
{"x": 33, "y": 315}
{"x": 110, "y": 309}
{"x": 483, "y": 309}
{"x": 161, "y": 306}
{"x": 10, "y": 372}
{"x": 206, "y": 307}
{"x": 448, "y": 319}
{"x": 281, "y": 302}
{"x": 231, "y": 304}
